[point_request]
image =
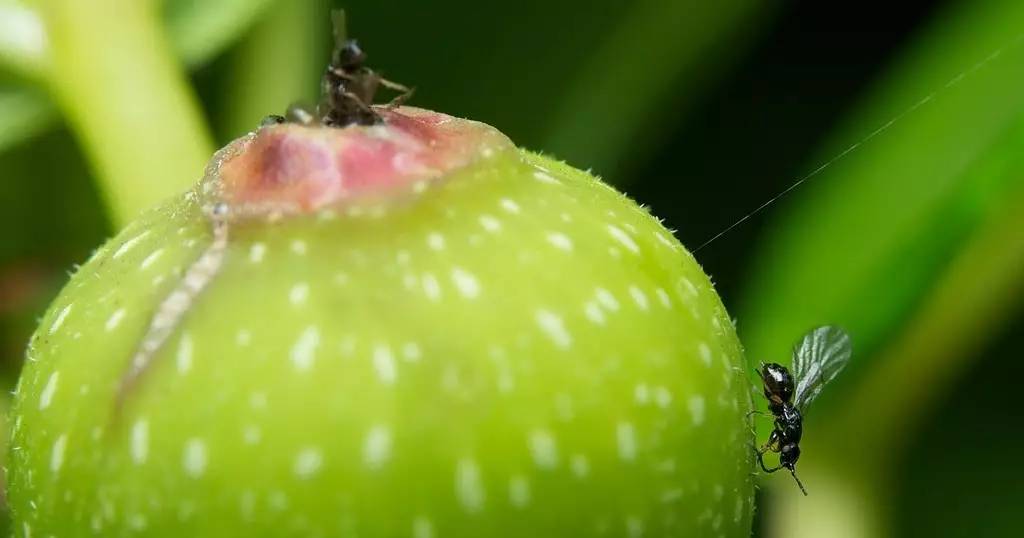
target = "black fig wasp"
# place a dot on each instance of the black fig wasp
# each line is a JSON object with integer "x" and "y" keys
{"x": 817, "y": 359}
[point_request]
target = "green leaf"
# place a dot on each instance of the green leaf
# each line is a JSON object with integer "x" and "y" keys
{"x": 655, "y": 60}
{"x": 199, "y": 29}
{"x": 278, "y": 62}
{"x": 24, "y": 113}
{"x": 23, "y": 44}
{"x": 912, "y": 242}
{"x": 865, "y": 239}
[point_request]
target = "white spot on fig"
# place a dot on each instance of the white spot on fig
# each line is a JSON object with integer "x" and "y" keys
{"x": 384, "y": 364}
{"x": 243, "y": 338}
{"x": 466, "y": 283}
{"x": 422, "y": 528}
{"x": 348, "y": 345}
{"x": 183, "y": 358}
{"x": 580, "y": 465}
{"x": 411, "y": 352}
{"x": 303, "y": 353}
{"x": 560, "y": 241}
{"x": 663, "y": 397}
{"x": 686, "y": 285}
{"x": 607, "y": 300}
{"x": 543, "y": 449}
{"x": 490, "y": 223}
{"x": 251, "y": 435}
{"x": 298, "y": 294}
{"x": 298, "y": 246}
{"x": 57, "y": 453}
{"x": 634, "y": 527}
{"x": 672, "y": 495}
{"x": 377, "y": 447}
{"x": 554, "y": 328}
{"x": 258, "y": 400}
{"x": 696, "y": 406}
{"x": 665, "y": 240}
{"x": 641, "y": 394}
{"x": 594, "y": 313}
{"x": 256, "y": 252}
{"x": 510, "y": 206}
{"x": 623, "y": 238}
{"x": 519, "y": 491}
{"x": 46, "y": 396}
{"x": 129, "y": 244}
{"x": 544, "y": 177}
{"x": 705, "y": 353}
{"x": 625, "y": 437}
{"x": 563, "y": 407}
{"x": 114, "y": 320}
{"x": 435, "y": 241}
{"x": 638, "y": 297}
{"x": 140, "y": 441}
{"x": 153, "y": 257}
{"x": 663, "y": 297}
{"x": 59, "y": 320}
{"x": 431, "y": 287}
{"x": 308, "y": 462}
{"x": 469, "y": 487}
{"x": 194, "y": 458}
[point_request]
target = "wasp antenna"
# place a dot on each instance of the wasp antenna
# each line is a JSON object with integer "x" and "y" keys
{"x": 798, "y": 482}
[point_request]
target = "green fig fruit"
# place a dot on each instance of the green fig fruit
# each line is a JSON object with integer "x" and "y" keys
{"x": 406, "y": 329}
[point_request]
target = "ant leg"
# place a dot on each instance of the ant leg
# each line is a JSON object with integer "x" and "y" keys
{"x": 404, "y": 95}
{"x": 394, "y": 86}
{"x": 355, "y": 99}
{"x": 761, "y": 413}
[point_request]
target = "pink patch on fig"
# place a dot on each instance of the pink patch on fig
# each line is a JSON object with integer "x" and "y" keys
{"x": 290, "y": 169}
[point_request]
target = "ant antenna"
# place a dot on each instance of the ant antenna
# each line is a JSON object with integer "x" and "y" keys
{"x": 798, "y": 482}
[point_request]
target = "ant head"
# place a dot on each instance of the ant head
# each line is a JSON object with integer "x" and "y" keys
{"x": 350, "y": 56}
{"x": 778, "y": 383}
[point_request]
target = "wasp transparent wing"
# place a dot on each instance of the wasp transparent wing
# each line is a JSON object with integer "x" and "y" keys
{"x": 818, "y": 359}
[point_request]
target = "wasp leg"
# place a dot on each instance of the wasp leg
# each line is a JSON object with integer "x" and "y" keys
{"x": 761, "y": 413}
{"x": 760, "y": 460}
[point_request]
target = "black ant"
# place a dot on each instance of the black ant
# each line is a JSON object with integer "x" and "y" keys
{"x": 817, "y": 359}
{"x": 348, "y": 87}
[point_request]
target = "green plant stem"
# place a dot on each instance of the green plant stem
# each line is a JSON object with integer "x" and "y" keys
{"x": 126, "y": 96}
{"x": 278, "y": 63}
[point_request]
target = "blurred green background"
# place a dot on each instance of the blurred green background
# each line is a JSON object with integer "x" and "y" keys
{"x": 913, "y": 241}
